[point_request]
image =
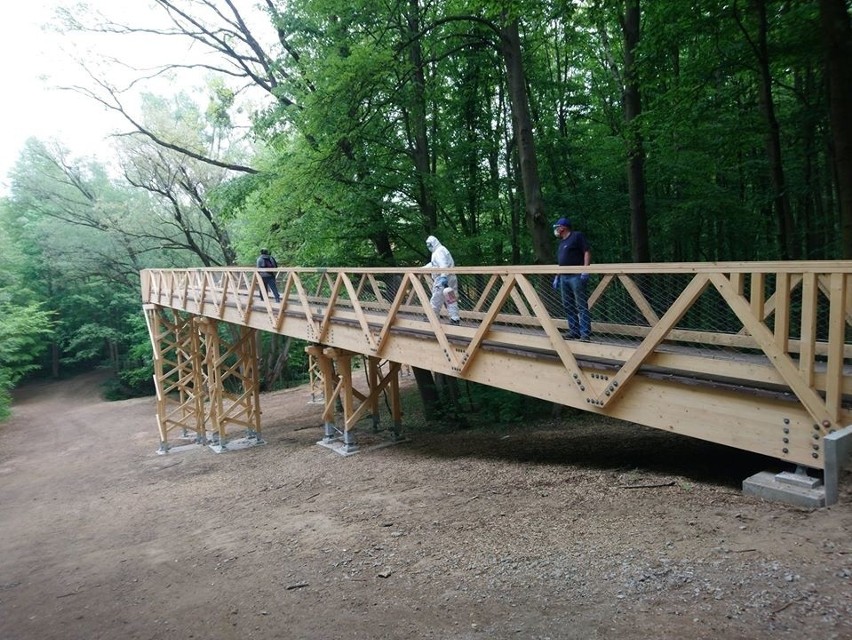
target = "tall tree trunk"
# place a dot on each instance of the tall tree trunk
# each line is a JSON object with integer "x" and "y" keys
{"x": 420, "y": 152}
{"x": 54, "y": 359}
{"x": 512, "y": 181}
{"x": 807, "y": 202}
{"x": 789, "y": 247}
{"x": 537, "y": 223}
{"x": 469, "y": 217}
{"x": 422, "y": 167}
{"x": 639, "y": 242}
{"x": 282, "y": 361}
{"x": 837, "y": 36}
{"x": 428, "y": 392}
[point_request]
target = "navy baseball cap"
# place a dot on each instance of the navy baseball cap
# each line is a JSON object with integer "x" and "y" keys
{"x": 562, "y": 222}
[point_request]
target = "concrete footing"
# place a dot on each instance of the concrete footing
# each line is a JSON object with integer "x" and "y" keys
{"x": 797, "y": 489}
{"x": 838, "y": 457}
{"x": 800, "y": 489}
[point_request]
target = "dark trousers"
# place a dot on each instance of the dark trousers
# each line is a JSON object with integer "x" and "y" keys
{"x": 575, "y": 300}
{"x": 271, "y": 287}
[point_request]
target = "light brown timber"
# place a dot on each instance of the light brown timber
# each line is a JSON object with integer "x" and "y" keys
{"x": 753, "y": 386}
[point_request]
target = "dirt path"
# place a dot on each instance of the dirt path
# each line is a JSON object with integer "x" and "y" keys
{"x": 525, "y": 532}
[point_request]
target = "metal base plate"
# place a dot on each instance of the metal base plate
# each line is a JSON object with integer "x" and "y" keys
{"x": 366, "y": 442}
{"x": 236, "y": 444}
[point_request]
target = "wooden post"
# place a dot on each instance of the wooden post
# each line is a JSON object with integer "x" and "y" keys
{"x": 373, "y": 382}
{"x": 396, "y": 406}
{"x": 344, "y": 370}
{"x": 315, "y": 376}
{"x": 326, "y": 368}
{"x": 208, "y": 329}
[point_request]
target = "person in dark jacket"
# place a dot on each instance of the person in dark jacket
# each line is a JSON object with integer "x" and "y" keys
{"x": 266, "y": 261}
{"x": 573, "y": 251}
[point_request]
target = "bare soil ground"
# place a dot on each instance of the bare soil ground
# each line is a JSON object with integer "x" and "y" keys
{"x": 532, "y": 530}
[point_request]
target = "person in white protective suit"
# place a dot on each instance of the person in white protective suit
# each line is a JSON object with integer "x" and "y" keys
{"x": 444, "y": 285}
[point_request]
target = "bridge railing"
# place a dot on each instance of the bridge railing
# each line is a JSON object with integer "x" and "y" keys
{"x": 772, "y": 328}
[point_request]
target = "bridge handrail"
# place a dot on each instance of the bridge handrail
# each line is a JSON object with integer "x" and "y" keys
{"x": 781, "y": 326}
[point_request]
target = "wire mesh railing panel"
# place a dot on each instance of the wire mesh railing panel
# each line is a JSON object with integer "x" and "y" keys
{"x": 622, "y": 306}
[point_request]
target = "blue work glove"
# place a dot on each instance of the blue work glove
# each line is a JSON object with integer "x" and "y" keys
{"x": 555, "y": 282}
{"x": 584, "y": 277}
{"x": 441, "y": 282}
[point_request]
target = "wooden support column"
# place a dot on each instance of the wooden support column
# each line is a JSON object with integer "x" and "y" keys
{"x": 344, "y": 371}
{"x": 315, "y": 376}
{"x": 249, "y": 373}
{"x": 326, "y": 368}
{"x": 373, "y": 382}
{"x": 198, "y": 395}
{"x": 336, "y": 370}
{"x": 378, "y": 383}
{"x": 232, "y": 381}
{"x": 208, "y": 330}
{"x": 396, "y": 405}
{"x": 178, "y": 376}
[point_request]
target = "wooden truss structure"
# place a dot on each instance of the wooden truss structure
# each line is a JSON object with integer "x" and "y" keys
{"x": 750, "y": 355}
{"x": 205, "y": 383}
{"x": 335, "y": 366}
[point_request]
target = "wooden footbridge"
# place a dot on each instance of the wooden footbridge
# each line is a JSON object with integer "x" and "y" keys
{"x": 749, "y": 355}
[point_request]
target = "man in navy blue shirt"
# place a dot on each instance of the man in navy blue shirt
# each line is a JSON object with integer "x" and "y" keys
{"x": 573, "y": 251}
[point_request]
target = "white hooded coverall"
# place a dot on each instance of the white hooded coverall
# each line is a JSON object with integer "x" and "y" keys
{"x": 442, "y": 259}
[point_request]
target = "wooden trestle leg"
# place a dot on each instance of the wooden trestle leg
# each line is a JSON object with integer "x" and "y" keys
{"x": 232, "y": 381}
{"x": 335, "y": 366}
{"x": 178, "y": 376}
{"x": 328, "y": 377}
{"x": 202, "y": 380}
